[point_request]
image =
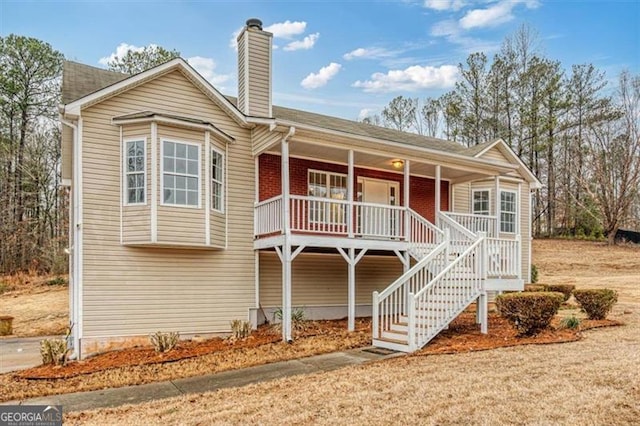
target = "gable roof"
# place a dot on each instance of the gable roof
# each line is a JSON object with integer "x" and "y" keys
{"x": 85, "y": 85}
{"x": 480, "y": 149}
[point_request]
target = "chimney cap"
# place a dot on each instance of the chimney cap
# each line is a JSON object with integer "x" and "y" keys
{"x": 254, "y": 23}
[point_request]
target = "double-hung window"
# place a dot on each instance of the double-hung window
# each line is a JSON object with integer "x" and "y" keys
{"x": 327, "y": 185}
{"x": 508, "y": 208}
{"x": 134, "y": 170}
{"x": 217, "y": 180}
{"x": 180, "y": 173}
{"x": 481, "y": 202}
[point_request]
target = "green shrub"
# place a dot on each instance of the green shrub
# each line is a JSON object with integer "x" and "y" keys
{"x": 570, "y": 322}
{"x": 534, "y": 287}
{"x": 298, "y": 318}
{"x": 164, "y": 342}
{"x": 565, "y": 289}
{"x": 534, "y": 274}
{"x": 596, "y": 303}
{"x": 57, "y": 281}
{"x": 529, "y": 312}
{"x": 240, "y": 329}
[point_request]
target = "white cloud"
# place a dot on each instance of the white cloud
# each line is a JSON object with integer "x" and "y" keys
{"x": 120, "y": 52}
{"x": 304, "y": 44}
{"x": 411, "y": 79}
{"x": 442, "y": 5}
{"x": 364, "y": 113}
{"x": 206, "y": 67}
{"x": 322, "y": 77}
{"x": 233, "y": 41}
{"x": 369, "y": 53}
{"x": 445, "y": 28}
{"x": 494, "y": 15}
{"x": 287, "y": 29}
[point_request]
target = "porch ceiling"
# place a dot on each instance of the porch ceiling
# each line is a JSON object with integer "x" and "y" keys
{"x": 380, "y": 161}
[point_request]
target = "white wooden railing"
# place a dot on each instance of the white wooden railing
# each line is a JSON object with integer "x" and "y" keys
{"x": 268, "y": 216}
{"x": 379, "y": 221}
{"x": 436, "y": 304}
{"x": 503, "y": 259}
{"x": 476, "y": 222}
{"x": 458, "y": 233}
{"x": 390, "y": 305}
{"x": 423, "y": 235}
{"x": 319, "y": 215}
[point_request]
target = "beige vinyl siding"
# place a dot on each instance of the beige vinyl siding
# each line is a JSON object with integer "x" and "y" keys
{"x": 254, "y": 73}
{"x": 139, "y": 290}
{"x": 218, "y": 233}
{"x": 66, "y": 151}
{"x": 462, "y": 198}
{"x": 495, "y": 154}
{"x": 321, "y": 279}
{"x": 263, "y": 138}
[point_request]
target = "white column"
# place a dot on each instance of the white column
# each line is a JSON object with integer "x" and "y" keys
{"x": 350, "y": 210}
{"x": 284, "y": 172}
{"x": 286, "y": 289}
{"x": 407, "y": 185}
{"x": 351, "y": 323}
{"x": 497, "y": 204}
{"x": 437, "y": 190}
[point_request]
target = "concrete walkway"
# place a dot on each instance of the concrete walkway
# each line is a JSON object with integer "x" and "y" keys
{"x": 20, "y": 353}
{"x": 82, "y": 401}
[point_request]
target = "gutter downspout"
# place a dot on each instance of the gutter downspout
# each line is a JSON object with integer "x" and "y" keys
{"x": 74, "y": 244}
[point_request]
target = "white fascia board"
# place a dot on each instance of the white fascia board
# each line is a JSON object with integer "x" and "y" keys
{"x": 222, "y": 136}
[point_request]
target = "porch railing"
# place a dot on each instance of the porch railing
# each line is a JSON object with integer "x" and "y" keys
{"x": 268, "y": 216}
{"x": 476, "y": 222}
{"x": 503, "y": 258}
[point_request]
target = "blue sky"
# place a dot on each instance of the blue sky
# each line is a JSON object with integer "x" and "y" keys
{"x": 341, "y": 58}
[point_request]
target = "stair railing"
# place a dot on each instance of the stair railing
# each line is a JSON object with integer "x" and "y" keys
{"x": 436, "y": 304}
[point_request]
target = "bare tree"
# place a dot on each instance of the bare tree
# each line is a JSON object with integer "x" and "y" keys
{"x": 400, "y": 114}
{"x": 613, "y": 152}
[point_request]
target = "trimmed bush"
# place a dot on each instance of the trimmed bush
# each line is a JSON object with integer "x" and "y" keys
{"x": 529, "y": 312}
{"x": 596, "y": 303}
{"x": 565, "y": 289}
{"x": 534, "y": 287}
{"x": 534, "y": 274}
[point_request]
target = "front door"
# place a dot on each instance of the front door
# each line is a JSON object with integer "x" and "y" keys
{"x": 375, "y": 218}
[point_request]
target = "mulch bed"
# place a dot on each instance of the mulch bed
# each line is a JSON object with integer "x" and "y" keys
{"x": 463, "y": 335}
{"x": 185, "y": 349}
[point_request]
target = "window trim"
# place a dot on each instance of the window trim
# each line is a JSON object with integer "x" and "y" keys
{"x": 199, "y": 146}
{"x": 473, "y": 204}
{"x": 221, "y": 183}
{"x": 514, "y": 213}
{"x": 125, "y": 173}
{"x": 327, "y": 173}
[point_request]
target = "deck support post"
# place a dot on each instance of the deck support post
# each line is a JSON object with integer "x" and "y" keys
{"x": 497, "y": 205}
{"x": 484, "y": 312}
{"x": 286, "y": 246}
{"x": 352, "y": 260}
{"x": 437, "y": 191}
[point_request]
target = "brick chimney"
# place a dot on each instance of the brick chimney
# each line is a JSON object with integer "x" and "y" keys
{"x": 254, "y": 70}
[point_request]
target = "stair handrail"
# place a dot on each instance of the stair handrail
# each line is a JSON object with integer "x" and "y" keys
{"x": 413, "y": 270}
{"x": 454, "y": 226}
{"x": 427, "y": 224}
{"x": 413, "y": 338}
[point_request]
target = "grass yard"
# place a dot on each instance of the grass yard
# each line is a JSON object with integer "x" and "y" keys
{"x": 592, "y": 381}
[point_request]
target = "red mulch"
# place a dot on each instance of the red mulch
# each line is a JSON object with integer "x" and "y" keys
{"x": 184, "y": 349}
{"x": 463, "y": 335}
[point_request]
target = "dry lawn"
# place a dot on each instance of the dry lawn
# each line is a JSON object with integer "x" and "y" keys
{"x": 592, "y": 381}
{"x": 38, "y": 309}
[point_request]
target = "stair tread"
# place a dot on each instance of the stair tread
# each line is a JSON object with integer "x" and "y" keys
{"x": 390, "y": 340}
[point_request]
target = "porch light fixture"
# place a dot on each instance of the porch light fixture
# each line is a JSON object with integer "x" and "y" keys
{"x": 397, "y": 164}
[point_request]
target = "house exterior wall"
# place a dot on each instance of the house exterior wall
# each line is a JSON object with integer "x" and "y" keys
{"x": 133, "y": 291}
{"x": 320, "y": 280}
{"x": 421, "y": 191}
{"x": 463, "y": 194}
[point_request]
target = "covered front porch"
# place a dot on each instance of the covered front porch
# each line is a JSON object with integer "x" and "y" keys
{"x": 315, "y": 195}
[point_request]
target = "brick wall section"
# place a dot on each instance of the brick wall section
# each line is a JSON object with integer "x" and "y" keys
{"x": 422, "y": 190}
